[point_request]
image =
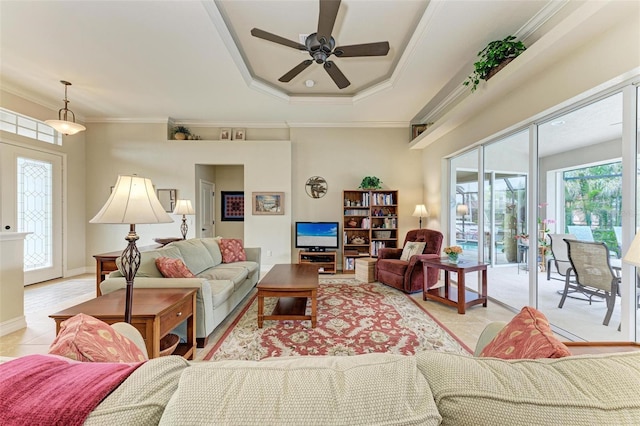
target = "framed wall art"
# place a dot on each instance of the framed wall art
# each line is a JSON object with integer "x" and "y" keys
{"x": 168, "y": 199}
{"x": 239, "y": 134}
{"x": 232, "y": 206}
{"x": 225, "y": 134}
{"x": 268, "y": 203}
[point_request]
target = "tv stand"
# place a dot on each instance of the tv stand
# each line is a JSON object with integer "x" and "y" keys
{"x": 325, "y": 260}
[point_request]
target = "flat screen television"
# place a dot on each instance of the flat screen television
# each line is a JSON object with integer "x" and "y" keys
{"x": 317, "y": 236}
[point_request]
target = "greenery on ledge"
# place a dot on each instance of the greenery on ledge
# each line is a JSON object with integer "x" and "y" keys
{"x": 491, "y": 57}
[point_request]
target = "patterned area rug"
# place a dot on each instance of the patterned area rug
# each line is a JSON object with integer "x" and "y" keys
{"x": 353, "y": 318}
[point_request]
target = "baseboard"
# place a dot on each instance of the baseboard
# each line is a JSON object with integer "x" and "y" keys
{"x": 79, "y": 271}
{"x": 12, "y": 325}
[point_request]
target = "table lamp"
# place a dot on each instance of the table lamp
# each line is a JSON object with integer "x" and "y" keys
{"x": 420, "y": 211}
{"x": 132, "y": 201}
{"x": 184, "y": 208}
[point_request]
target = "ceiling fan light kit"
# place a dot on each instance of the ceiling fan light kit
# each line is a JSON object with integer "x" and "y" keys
{"x": 321, "y": 45}
{"x": 62, "y": 124}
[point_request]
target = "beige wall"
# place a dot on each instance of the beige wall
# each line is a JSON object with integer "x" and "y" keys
{"x": 612, "y": 53}
{"x": 343, "y": 156}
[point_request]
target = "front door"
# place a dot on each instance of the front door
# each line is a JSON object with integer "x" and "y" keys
{"x": 31, "y": 194}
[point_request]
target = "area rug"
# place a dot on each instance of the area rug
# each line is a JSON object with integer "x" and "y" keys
{"x": 353, "y": 318}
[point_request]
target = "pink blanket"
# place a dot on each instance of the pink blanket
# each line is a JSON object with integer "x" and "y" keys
{"x": 51, "y": 390}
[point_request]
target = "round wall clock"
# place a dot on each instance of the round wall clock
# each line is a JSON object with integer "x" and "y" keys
{"x": 316, "y": 187}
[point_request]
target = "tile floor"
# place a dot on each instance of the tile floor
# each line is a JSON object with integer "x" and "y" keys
{"x": 49, "y": 297}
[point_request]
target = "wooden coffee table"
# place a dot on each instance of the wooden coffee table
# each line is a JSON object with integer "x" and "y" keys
{"x": 292, "y": 285}
{"x": 155, "y": 312}
{"x": 458, "y": 296}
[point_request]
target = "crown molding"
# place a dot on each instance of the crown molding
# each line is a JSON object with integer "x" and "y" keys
{"x": 354, "y": 124}
{"x": 129, "y": 120}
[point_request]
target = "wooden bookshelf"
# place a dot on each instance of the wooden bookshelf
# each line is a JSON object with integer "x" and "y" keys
{"x": 369, "y": 223}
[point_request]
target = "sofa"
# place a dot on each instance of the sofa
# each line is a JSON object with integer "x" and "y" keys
{"x": 221, "y": 286}
{"x": 407, "y": 275}
{"x": 430, "y": 388}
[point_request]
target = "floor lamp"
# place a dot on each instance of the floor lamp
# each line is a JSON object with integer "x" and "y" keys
{"x": 184, "y": 208}
{"x": 133, "y": 200}
{"x": 420, "y": 211}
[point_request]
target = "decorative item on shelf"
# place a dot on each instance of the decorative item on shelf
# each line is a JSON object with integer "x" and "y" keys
{"x": 184, "y": 208}
{"x": 353, "y": 223}
{"x": 168, "y": 344}
{"x": 420, "y": 212}
{"x": 418, "y": 129}
{"x": 495, "y": 56}
{"x": 181, "y": 133}
{"x": 239, "y": 134}
{"x": 316, "y": 187}
{"x": 225, "y": 134}
{"x": 62, "y": 124}
{"x": 370, "y": 182}
{"x": 453, "y": 253}
{"x": 358, "y": 240}
{"x": 132, "y": 201}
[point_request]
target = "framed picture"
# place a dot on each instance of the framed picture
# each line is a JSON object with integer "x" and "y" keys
{"x": 239, "y": 134}
{"x": 168, "y": 199}
{"x": 268, "y": 203}
{"x": 416, "y": 129}
{"x": 225, "y": 134}
{"x": 232, "y": 206}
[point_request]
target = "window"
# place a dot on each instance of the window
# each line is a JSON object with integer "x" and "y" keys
{"x": 22, "y": 125}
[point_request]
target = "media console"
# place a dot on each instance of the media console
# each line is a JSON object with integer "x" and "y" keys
{"x": 325, "y": 260}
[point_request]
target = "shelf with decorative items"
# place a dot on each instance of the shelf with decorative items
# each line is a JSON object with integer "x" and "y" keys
{"x": 370, "y": 222}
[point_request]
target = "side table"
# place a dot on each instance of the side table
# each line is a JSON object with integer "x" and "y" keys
{"x": 455, "y": 296}
{"x": 106, "y": 263}
{"x": 155, "y": 312}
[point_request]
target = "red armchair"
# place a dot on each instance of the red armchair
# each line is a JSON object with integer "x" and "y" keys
{"x": 408, "y": 276}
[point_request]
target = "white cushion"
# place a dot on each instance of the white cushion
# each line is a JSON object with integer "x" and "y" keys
{"x": 411, "y": 249}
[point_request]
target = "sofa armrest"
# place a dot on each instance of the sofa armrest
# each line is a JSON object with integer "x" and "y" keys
{"x": 416, "y": 260}
{"x": 487, "y": 335}
{"x": 389, "y": 253}
{"x": 112, "y": 284}
{"x": 253, "y": 254}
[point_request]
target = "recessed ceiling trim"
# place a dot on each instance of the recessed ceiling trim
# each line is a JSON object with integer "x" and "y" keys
{"x": 549, "y": 10}
{"x": 320, "y": 100}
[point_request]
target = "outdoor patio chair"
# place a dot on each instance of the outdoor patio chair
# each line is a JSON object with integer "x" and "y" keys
{"x": 560, "y": 256}
{"x": 582, "y": 233}
{"x": 592, "y": 272}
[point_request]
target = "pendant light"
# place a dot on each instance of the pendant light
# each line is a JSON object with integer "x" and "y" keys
{"x": 62, "y": 125}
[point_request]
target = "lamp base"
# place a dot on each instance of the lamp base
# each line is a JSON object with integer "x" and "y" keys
{"x": 184, "y": 228}
{"x": 130, "y": 263}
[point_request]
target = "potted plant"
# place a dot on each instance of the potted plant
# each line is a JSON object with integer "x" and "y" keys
{"x": 370, "y": 182}
{"x": 493, "y": 58}
{"x": 180, "y": 133}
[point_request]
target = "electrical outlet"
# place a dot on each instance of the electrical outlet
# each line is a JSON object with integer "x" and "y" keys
{"x": 269, "y": 253}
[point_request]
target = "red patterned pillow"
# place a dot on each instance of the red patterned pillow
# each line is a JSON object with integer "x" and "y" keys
{"x": 232, "y": 250}
{"x": 526, "y": 336}
{"x": 173, "y": 268}
{"x": 85, "y": 338}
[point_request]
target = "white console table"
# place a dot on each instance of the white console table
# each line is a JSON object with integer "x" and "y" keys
{"x": 12, "y": 282}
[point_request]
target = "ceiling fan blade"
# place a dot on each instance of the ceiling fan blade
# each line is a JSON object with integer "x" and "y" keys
{"x": 368, "y": 49}
{"x": 295, "y": 71}
{"x": 327, "y": 18}
{"x": 277, "y": 39}
{"x": 336, "y": 75}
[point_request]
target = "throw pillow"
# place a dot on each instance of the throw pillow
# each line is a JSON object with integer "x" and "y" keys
{"x": 232, "y": 250}
{"x": 412, "y": 248}
{"x": 85, "y": 338}
{"x": 527, "y": 336}
{"x": 173, "y": 268}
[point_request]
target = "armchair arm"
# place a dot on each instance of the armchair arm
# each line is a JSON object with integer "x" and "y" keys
{"x": 389, "y": 253}
{"x": 487, "y": 335}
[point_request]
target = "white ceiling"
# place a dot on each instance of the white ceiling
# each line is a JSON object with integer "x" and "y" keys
{"x": 149, "y": 60}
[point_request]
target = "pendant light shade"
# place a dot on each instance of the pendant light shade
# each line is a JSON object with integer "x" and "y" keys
{"x": 62, "y": 124}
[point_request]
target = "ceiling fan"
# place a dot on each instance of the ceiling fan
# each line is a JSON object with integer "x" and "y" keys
{"x": 321, "y": 45}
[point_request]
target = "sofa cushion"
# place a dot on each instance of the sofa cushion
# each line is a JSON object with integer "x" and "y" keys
{"x": 395, "y": 266}
{"x": 148, "y": 266}
{"x": 221, "y": 290}
{"x": 527, "y": 335}
{"x": 411, "y": 249}
{"x": 213, "y": 246}
{"x": 173, "y": 268}
{"x": 586, "y": 390}
{"x": 85, "y": 338}
{"x": 363, "y": 390}
{"x": 237, "y": 275}
{"x": 232, "y": 250}
{"x": 195, "y": 254}
{"x": 141, "y": 399}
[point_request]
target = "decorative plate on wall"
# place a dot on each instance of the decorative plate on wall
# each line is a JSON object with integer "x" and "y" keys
{"x": 316, "y": 187}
